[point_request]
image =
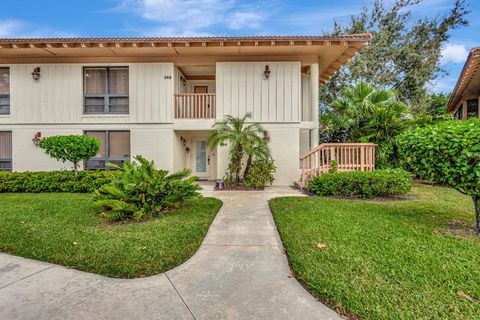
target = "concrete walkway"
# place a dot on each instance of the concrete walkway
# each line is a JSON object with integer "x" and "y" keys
{"x": 239, "y": 272}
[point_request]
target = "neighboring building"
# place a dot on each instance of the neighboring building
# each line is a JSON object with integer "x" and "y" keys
{"x": 159, "y": 97}
{"x": 464, "y": 102}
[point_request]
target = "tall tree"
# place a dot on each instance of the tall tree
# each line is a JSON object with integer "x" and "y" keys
{"x": 404, "y": 53}
{"x": 437, "y": 104}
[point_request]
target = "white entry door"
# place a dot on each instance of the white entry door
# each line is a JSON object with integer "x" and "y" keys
{"x": 201, "y": 158}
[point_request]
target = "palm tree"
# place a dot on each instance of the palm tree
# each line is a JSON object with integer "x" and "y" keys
{"x": 242, "y": 138}
{"x": 369, "y": 114}
{"x": 258, "y": 150}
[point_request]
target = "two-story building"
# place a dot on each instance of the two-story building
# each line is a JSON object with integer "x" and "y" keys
{"x": 159, "y": 97}
{"x": 464, "y": 101}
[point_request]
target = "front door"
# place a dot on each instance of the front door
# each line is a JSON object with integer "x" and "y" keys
{"x": 201, "y": 158}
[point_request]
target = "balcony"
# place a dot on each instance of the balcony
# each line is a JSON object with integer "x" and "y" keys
{"x": 195, "y": 106}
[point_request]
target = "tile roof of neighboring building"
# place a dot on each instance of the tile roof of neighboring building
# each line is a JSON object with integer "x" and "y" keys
{"x": 470, "y": 69}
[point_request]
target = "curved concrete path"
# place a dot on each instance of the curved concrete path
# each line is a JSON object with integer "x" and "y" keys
{"x": 239, "y": 272}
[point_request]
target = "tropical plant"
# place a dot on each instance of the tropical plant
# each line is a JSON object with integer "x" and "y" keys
{"x": 247, "y": 143}
{"x": 141, "y": 191}
{"x": 261, "y": 173}
{"x": 368, "y": 115}
{"x": 73, "y": 148}
{"x": 447, "y": 153}
{"x": 405, "y": 51}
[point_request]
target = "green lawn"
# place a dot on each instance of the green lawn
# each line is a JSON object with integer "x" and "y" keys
{"x": 386, "y": 259}
{"x": 63, "y": 228}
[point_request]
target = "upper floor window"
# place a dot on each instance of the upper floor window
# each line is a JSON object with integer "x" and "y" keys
{"x": 472, "y": 108}
{"x": 114, "y": 148}
{"x": 5, "y": 151}
{"x": 4, "y": 90}
{"x": 105, "y": 90}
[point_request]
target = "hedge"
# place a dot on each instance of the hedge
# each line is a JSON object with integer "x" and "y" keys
{"x": 367, "y": 184}
{"x": 54, "y": 181}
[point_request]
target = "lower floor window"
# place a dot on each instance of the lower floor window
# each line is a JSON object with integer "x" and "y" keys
{"x": 114, "y": 148}
{"x": 5, "y": 151}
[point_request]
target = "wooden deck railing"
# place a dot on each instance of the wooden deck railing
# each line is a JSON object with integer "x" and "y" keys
{"x": 348, "y": 157}
{"x": 195, "y": 105}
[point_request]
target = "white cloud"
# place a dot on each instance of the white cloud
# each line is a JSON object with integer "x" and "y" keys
{"x": 22, "y": 29}
{"x": 453, "y": 53}
{"x": 194, "y": 17}
{"x": 9, "y": 28}
{"x": 241, "y": 20}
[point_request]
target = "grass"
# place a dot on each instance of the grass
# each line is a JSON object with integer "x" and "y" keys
{"x": 64, "y": 228}
{"x": 397, "y": 259}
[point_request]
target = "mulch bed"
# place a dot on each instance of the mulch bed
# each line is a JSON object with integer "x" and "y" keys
{"x": 240, "y": 187}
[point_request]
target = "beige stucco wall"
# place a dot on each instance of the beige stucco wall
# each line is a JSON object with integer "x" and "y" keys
{"x": 153, "y": 144}
{"x": 28, "y": 157}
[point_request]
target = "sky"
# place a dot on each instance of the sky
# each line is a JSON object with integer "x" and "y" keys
{"x": 132, "y": 18}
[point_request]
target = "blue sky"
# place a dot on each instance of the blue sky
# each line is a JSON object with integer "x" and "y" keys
{"x": 123, "y": 18}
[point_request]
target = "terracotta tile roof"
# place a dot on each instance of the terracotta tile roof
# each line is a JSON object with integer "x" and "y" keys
{"x": 470, "y": 69}
{"x": 350, "y": 37}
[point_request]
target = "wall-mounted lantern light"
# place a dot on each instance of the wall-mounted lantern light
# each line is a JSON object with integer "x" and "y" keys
{"x": 36, "y": 138}
{"x": 183, "y": 141}
{"x": 266, "y": 137}
{"x": 183, "y": 80}
{"x": 266, "y": 73}
{"x": 36, "y": 73}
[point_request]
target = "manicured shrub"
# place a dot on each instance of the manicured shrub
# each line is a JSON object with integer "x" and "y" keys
{"x": 447, "y": 153}
{"x": 73, "y": 148}
{"x": 54, "y": 181}
{"x": 366, "y": 184}
{"x": 260, "y": 173}
{"x": 140, "y": 191}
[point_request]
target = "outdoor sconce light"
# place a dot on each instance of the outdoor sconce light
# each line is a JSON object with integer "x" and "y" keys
{"x": 266, "y": 137}
{"x": 183, "y": 80}
{"x": 36, "y": 138}
{"x": 266, "y": 73}
{"x": 183, "y": 141}
{"x": 36, "y": 73}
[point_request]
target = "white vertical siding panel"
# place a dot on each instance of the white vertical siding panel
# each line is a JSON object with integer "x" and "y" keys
{"x": 241, "y": 87}
{"x": 280, "y": 92}
{"x": 58, "y": 96}
{"x": 234, "y": 87}
{"x": 227, "y": 87}
{"x": 265, "y": 95}
{"x": 220, "y": 89}
{"x": 257, "y": 92}
{"x": 289, "y": 93}
{"x": 168, "y": 92}
{"x": 272, "y": 97}
{"x": 242, "y": 90}
{"x": 140, "y": 87}
{"x": 249, "y": 89}
{"x": 150, "y": 93}
{"x": 306, "y": 99}
{"x": 296, "y": 91}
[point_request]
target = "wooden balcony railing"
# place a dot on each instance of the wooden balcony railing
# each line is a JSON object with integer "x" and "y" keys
{"x": 348, "y": 157}
{"x": 195, "y": 106}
